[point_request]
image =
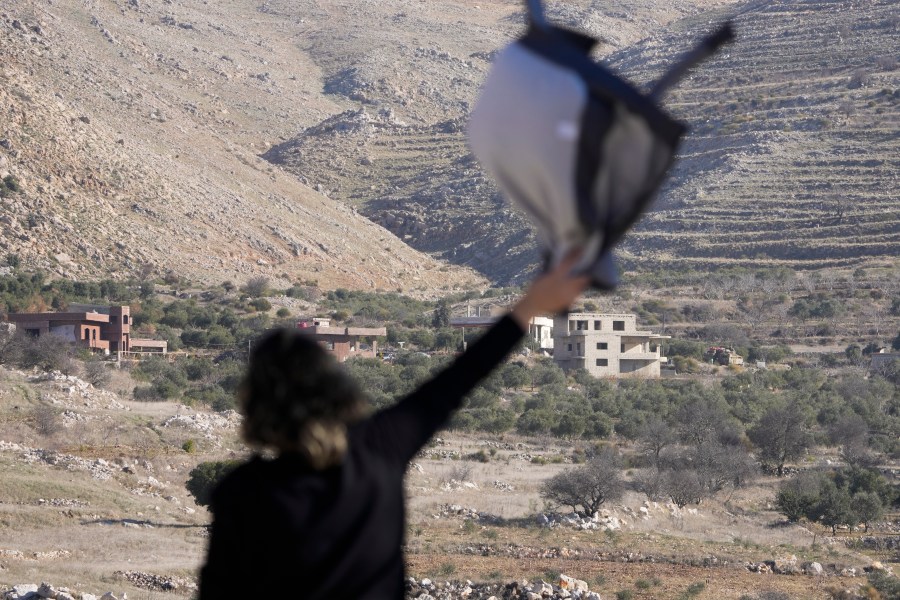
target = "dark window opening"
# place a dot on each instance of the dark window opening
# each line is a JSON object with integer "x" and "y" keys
{"x": 602, "y": 362}
{"x": 618, "y": 325}
{"x": 623, "y": 348}
{"x": 570, "y": 347}
{"x": 602, "y": 346}
{"x": 597, "y": 325}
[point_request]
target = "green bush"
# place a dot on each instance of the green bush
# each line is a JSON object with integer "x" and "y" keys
{"x": 205, "y": 477}
{"x": 886, "y": 585}
{"x": 190, "y": 446}
{"x": 9, "y": 185}
{"x": 261, "y": 304}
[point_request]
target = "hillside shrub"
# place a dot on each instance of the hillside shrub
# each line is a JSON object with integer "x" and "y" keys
{"x": 256, "y": 286}
{"x": 204, "y": 478}
{"x": 261, "y": 304}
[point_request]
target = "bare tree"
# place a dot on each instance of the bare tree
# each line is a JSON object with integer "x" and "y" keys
{"x": 46, "y": 419}
{"x": 586, "y": 488}
{"x": 683, "y": 486}
{"x": 860, "y": 79}
{"x": 807, "y": 282}
{"x": 704, "y": 421}
{"x": 829, "y": 278}
{"x": 886, "y": 63}
{"x": 851, "y": 433}
{"x": 256, "y": 286}
{"x": 654, "y": 436}
{"x": 651, "y": 482}
{"x": 96, "y": 372}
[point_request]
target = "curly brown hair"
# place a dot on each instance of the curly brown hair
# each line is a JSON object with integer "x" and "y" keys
{"x": 296, "y": 398}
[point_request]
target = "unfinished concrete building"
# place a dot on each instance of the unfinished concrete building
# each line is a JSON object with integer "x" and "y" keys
{"x": 342, "y": 342}
{"x": 606, "y": 345}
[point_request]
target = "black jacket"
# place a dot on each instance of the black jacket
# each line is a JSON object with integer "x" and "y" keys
{"x": 282, "y": 529}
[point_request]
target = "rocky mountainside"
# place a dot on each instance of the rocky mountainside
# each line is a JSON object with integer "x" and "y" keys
{"x": 794, "y": 154}
{"x": 229, "y": 139}
{"x": 792, "y": 159}
{"x": 128, "y": 140}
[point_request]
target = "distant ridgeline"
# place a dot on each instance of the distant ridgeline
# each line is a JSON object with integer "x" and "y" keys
{"x": 792, "y": 160}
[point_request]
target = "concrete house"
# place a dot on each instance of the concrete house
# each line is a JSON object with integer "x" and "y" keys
{"x": 341, "y": 342}
{"x": 540, "y": 329}
{"x": 606, "y": 345}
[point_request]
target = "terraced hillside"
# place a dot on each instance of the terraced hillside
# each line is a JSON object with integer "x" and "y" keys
{"x": 792, "y": 159}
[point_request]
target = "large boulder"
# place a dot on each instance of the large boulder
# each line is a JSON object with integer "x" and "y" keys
{"x": 571, "y": 584}
{"x": 814, "y": 568}
{"x": 26, "y": 591}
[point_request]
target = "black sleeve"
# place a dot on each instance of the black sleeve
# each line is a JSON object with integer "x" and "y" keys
{"x": 401, "y": 430}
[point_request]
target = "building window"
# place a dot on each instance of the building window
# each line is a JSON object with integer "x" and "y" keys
{"x": 618, "y": 325}
{"x": 623, "y": 349}
{"x": 596, "y": 325}
{"x": 602, "y": 362}
{"x": 581, "y": 325}
{"x": 125, "y": 319}
{"x": 602, "y": 346}
{"x": 570, "y": 347}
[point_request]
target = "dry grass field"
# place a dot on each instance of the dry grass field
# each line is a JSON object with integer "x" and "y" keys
{"x": 103, "y": 501}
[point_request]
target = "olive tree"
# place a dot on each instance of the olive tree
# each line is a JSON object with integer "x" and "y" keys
{"x": 587, "y": 487}
{"x": 866, "y": 507}
{"x": 781, "y": 436}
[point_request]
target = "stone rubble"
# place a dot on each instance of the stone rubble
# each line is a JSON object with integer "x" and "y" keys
{"x": 71, "y": 392}
{"x": 454, "y": 485}
{"x": 151, "y": 581}
{"x": 446, "y": 511}
{"x": 46, "y": 591}
{"x": 98, "y": 468}
{"x": 207, "y": 424}
{"x": 566, "y": 588}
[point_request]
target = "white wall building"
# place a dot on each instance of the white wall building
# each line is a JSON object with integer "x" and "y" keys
{"x": 540, "y": 329}
{"x": 606, "y": 345}
{"x": 541, "y": 332}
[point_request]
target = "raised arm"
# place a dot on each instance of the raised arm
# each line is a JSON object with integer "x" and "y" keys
{"x": 401, "y": 430}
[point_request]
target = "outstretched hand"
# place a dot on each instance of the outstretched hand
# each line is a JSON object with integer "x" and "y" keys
{"x": 552, "y": 292}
